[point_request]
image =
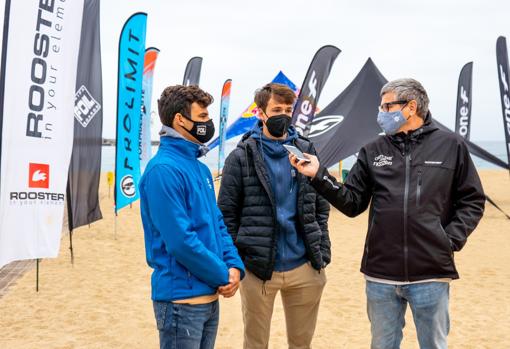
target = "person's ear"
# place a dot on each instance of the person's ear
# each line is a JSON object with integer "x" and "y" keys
{"x": 413, "y": 107}
{"x": 179, "y": 118}
{"x": 260, "y": 113}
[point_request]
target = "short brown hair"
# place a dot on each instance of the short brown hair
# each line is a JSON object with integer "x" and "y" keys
{"x": 178, "y": 99}
{"x": 281, "y": 93}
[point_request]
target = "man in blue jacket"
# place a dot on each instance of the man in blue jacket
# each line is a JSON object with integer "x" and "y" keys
{"x": 186, "y": 241}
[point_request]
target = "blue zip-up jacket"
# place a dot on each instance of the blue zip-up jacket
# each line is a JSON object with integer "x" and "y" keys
{"x": 290, "y": 248}
{"x": 186, "y": 241}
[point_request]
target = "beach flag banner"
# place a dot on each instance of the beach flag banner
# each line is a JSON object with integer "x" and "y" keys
{"x": 40, "y": 48}
{"x": 315, "y": 79}
{"x": 463, "y": 112}
{"x": 224, "y": 105}
{"x": 249, "y": 117}
{"x": 151, "y": 54}
{"x": 348, "y": 122}
{"x": 504, "y": 88}
{"x": 85, "y": 167}
{"x": 129, "y": 103}
{"x": 192, "y": 72}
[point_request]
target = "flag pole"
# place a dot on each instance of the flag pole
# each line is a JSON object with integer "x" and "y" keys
{"x": 71, "y": 246}
{"x": 340, "y": 171}
{"x": 37, "y": 276}
{"x": 70, "y": 223}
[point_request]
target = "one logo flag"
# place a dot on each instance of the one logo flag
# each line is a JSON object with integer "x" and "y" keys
{"x": 504, "y": 88}
{"x": 129, "y": 104}
{"x": 249, "y": 117}
{"x": 39, "y": 176}
{"x": 315, "y": 79}
{"x": 40, "y": 48}
{"x": 225, "y": 101}
{"x": 151, "y": 54}
{"x": 85, "y": 167}
{"x": 192, "y": 72}
{"x": 463, "y": 114}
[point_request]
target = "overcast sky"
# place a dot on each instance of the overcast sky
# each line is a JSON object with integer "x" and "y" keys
{"x": 250, "y": 41}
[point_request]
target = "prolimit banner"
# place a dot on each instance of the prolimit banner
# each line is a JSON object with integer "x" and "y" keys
{"x": 225, "y": 102}
{"x": 151, "y": 55}
{"x": 129, "y": 104}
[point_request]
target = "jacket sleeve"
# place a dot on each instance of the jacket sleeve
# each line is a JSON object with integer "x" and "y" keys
{"x": 322, "y": 210}
{"x": 230, "y": 198}
{"x": 170, "y": 217}
{"x": 468, "y": 200}
{"x": 353, "y": 197}
{"x": 322, "y": 215}
{"x": 230, "y": 254}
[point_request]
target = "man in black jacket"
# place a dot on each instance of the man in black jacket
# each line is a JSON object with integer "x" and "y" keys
{"x": 278, "y": 223}
{"x": 425, "y": 199}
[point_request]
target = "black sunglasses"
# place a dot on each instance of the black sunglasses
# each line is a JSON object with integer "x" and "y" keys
{"x": 386, "y": 106}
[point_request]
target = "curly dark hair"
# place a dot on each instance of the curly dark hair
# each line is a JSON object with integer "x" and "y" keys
{"x": 178, "y": 99}
{"x": 281, "y": 93}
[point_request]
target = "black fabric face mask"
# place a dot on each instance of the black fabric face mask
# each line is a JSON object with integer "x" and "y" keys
{"x": 201, "y": 131}
{"x": 278, "y": 125}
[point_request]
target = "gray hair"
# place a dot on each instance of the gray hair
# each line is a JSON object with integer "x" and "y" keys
{"x": 406, "y": 90}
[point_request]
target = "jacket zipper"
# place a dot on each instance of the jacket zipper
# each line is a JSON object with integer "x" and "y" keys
{"x": 370, "y": 228}
{"x": 407, "y": 154}
{"x": 418, "y": 189}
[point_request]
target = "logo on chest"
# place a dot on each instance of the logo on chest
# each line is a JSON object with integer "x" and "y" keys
{"x": 383, "y": 160}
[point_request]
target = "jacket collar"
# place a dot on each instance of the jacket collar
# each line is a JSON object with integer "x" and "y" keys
{"x": 415, "y": 136}
{"x": 171, "y": 139}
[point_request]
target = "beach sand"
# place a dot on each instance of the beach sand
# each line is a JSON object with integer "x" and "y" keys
{"x": 103, "y": 300}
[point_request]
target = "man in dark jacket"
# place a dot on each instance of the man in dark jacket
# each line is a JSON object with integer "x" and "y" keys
{"x": 425, "y": 199}
{"x": 278, "y": 223}
{"x": 186, "y": 241}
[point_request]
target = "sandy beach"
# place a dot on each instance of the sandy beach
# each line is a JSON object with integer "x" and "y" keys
{"x": 103, "y": 300}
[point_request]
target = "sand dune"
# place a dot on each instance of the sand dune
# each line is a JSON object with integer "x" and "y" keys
{"x": 102, "y": 301}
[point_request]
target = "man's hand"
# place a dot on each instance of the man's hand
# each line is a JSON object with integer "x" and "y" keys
{"x": 307, "y": 168}
{"x": 234, "y": 278}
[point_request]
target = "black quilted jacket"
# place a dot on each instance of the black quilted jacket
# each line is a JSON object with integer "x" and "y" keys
{"x": 247, "y": 203}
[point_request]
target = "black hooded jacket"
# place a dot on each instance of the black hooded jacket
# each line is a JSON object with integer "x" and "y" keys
{"x": 425, "y": 199}
{"x": 249, "y": 211}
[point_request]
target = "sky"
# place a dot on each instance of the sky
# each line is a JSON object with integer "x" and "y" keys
{"x": 250, "y": 42}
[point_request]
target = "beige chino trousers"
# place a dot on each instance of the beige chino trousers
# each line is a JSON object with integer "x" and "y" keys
{"x": 301, "y": 291}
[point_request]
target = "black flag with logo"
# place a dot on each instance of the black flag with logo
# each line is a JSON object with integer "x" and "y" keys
{"x": 85, "y": 166}
{"x": 504, "y": 88}
{"x": 350, "y": 121}
{"x": 192, "y": 73}
{"x": 463, "y": 114}
{"x": 315, "y": 79}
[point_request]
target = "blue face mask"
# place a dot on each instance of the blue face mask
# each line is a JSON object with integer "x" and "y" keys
{"x": 391, "y": 121}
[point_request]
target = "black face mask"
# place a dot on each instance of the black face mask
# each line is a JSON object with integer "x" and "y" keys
{"x": 201, "y": 131}
{"x": 278, "y": 125}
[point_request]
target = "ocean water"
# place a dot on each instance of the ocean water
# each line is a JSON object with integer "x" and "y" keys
{"x": 211, "y": 159}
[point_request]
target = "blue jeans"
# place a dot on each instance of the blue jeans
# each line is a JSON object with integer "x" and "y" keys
{"x": 187, "y": 326}
{"x": 386, "y": 307}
